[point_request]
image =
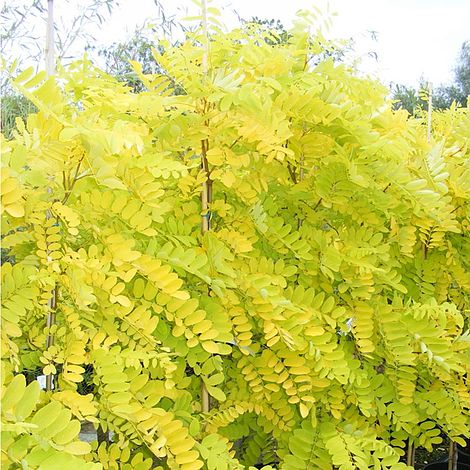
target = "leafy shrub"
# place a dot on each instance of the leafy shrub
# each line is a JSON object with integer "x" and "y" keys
{"x": 325, "y": 312}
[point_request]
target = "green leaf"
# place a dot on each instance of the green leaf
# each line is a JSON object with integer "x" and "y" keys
{"x": 14, "y": 392}
{"x": 70, "y": 432}
{"x": 29, "y": 401}
{"x": 47, "y": 415}
{"x": 217, "y": 393}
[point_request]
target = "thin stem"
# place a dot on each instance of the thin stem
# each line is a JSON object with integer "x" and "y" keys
{"x": 68, "y": 189}
{"x": 206, "y": 196}
{"x": 292, "y": 173}
{"x": 301, "y": 167}
{"x": 301, "y": 177}
{"x": 235, "y": 142}
{"x": 332, "y": 226}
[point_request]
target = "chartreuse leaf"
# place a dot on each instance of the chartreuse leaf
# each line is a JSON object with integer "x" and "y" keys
{"x": 46, "y": 415}
{"x": 28, "y": 401}
{"x": 217, "y": 393}
{"x": 67, "y": 434}
{"x": 325, "y": 310}
{"x": 14, "y": 392}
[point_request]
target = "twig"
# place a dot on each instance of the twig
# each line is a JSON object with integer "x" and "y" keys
{"x": 235, "y": 142}
{"x": 68, "y": 190}
{"x": 292, "y": 173}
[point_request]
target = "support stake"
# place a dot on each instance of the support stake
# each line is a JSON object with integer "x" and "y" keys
{"x": 410, "y": 455}
{"x": 206, "y": 194}
{"x": 50, "y": 66}
{"x": 452, "y": 465}
{"x": 429, "y": 112}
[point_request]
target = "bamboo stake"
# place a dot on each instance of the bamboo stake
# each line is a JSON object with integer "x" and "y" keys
{"x": 452, "y": 465}
{"x": 206, "y": 194}
{"x": 429, "y": 112}
{"x": 50, "y": 67}
{"x": 410, "y": 455}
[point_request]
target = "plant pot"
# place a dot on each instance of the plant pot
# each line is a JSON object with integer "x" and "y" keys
{"x": 445, "y": 465}
{"x": 463, "y": 455}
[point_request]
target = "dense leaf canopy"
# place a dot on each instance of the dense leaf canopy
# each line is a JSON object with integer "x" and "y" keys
{"x": 326, "y": 311}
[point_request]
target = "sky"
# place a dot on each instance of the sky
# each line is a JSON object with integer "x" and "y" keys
{"x": 413, "y": 38}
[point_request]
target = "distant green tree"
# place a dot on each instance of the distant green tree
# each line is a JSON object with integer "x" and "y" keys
{"x": 460, "y": 89}
{"x": 443, "y": 96}
{"x": 406, "y": 97}
{"x": 462, "y": 71}
{"x": 118, "y": 57}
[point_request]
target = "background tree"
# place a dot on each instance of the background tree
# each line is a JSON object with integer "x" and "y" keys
{"x": 117, "y": 59}
{"x": 443, "y": 96}
{"x": 22, "y": 32}
{"x": 407, "y": 98}
{"x": 22, "y": 44}
{"x": 462, "y": 71}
